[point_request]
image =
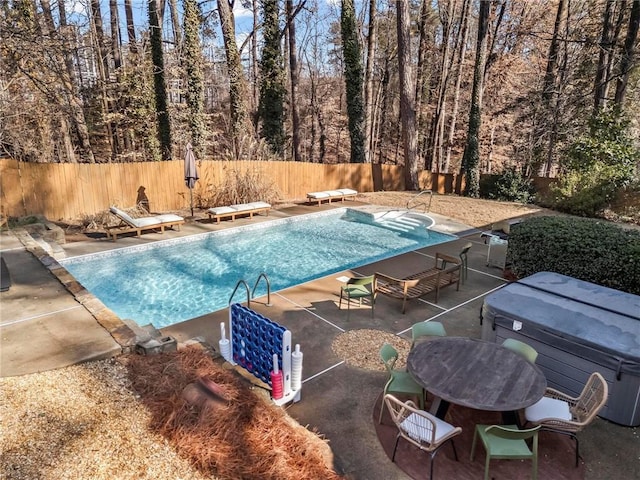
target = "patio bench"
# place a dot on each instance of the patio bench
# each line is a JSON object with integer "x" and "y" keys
{"x": 329, "y": 195}
{"x": 419, "y": 284}
{"x": 232, "y": 211}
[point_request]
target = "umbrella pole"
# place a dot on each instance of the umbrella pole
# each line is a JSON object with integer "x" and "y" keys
{"x": 191, "y": 195}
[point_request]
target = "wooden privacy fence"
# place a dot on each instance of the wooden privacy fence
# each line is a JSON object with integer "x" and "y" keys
{"x": 66, "y": 191}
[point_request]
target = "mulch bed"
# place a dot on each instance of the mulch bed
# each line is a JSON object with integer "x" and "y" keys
{"x": 212, "y": 417}
{"x": 556, "y": 454}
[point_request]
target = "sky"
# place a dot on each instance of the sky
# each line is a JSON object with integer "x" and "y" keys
{"x": 242, "y": 15}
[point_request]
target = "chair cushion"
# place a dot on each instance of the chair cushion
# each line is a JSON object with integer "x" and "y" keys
{"x": 256, "y": 205}
{"x": 146, "y": 221}
{"x": 547, "y": 407}
{"x": 347, "y": 191}
{"x": 168, "y": 218}
{"x": 333, "y": 193}
{"x": 318, "y": 195}
{"x": 135, "y": 222}
{"x": 221, "y": 210}
{"x": 419, "y": 428}
{"x": 241, "y": 207}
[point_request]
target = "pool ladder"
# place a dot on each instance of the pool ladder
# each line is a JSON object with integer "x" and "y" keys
{"x": 252, "y": 293}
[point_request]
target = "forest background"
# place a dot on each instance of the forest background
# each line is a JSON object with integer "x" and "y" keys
{"x": 531, "y": 87}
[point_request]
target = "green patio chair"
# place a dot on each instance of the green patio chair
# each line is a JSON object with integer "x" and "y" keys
{"x": 507, "y": 442}
{"x": 359, "y": 288}
{"x": 527, "y": 351}
{"x": 426, "y": 329}
{"x": 400, "y": 381}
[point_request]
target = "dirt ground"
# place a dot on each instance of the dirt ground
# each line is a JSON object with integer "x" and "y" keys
{"x": 474, "y": 212}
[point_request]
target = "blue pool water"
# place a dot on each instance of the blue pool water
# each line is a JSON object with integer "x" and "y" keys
{"x": 183, "y": 278}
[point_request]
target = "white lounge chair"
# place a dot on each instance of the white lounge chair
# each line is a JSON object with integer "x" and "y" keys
{"x": 129, "y": 224}
{"x": 232, "y": 211}
{"x": 329, "y": 195}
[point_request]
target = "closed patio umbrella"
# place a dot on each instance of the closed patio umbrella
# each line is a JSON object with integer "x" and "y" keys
{"x": 190, "y": 172}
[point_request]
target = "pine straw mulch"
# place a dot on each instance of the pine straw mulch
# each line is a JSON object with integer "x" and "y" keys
{"x": 227, "y": 431}
{"x": 361, "y": 348}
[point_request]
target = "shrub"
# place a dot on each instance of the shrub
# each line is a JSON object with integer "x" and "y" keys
{"x": 596, "y": 166}
{"x": 238, "y": 187}
{"x": 591, "y": 250}
{"x": 510, "y": 186}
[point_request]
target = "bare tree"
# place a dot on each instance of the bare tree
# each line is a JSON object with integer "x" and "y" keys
{"x": 175, "y": 25}
{"x": 471, "y": 157}
{"x": 368, "y": 79}
{"x": 462, "y": 49}
{"x": 237, "y": 83}
{"x": 407, "y": 97}
{"x": 294, "y": 77}
{"x": 627, "y": 63}
{"x": 131, "y": 30}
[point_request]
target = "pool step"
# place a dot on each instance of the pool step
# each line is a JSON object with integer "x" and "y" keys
{"x": 403, "y": 223}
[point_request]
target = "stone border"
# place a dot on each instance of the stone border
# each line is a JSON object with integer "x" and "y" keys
{"x": 112, "y": 323}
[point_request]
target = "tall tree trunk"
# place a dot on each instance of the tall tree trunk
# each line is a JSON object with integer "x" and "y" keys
{"x": 192, "y": 57}
{"x": 70, "y": 90}
{"x": 159, "y": 82}
{"x": 407, "y": 96}
{"x": 237, "y": 83}
{"x": 131, "y": 29}
{"x": 354, "y": 78}
{"x": 628, "y": 53}
{"x": 549, "y": 88}
{"x": 272, "y": 82}
{"x": 437, "y": 123}
{"x": 368, "y": 79}
{"x": 104, "y": 69}
{"x": 96, "y": 20}
{"x": 175, "y": 25}
{"x": 471, "y": 157}
{"x": 254, "y": 64}
{"x": 423, "y": 74}
{"x": 462, "y": 50}
{"x": 115, "y": 34}
{"x": 606, "y": 51}
{"x": 294, "y": 77}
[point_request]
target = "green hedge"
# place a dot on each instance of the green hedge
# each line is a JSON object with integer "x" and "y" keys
{"x": 588, "y": 249}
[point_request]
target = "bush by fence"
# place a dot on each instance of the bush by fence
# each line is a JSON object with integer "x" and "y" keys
{"x": 592, "y": 250}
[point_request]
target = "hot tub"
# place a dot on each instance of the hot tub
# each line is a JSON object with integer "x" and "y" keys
{"x": 577, "y": 328}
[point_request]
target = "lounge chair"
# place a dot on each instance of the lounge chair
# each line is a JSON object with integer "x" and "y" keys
{"x": 232, "y": 211}
{"x": 329, "y": 195}
{"x": 419, "y": 284}
{"x": 128, "y": 224}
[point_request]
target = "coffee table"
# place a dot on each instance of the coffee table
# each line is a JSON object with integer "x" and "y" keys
{"x": 475, "y": 374}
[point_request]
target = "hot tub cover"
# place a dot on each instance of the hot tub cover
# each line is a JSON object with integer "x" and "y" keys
{"x": 591, "y": 321}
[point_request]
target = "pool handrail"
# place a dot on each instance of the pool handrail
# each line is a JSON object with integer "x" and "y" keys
{"x": 241, "y": 282}
{"x": 266, "y": 279}
{"x": 427, "y": 207}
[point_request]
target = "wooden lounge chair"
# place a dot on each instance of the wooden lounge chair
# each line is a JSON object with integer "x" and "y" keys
{"x": 128, "y": 224}
{"x": 232, "y": 211}
{"x": 329, "y": 195}
{"x": 445, "y": 272}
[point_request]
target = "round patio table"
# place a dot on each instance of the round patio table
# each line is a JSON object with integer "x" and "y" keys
{"x": 475, "y": 374}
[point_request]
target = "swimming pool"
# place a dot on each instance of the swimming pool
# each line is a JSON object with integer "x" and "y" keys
{"x": 175, "y": 280}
